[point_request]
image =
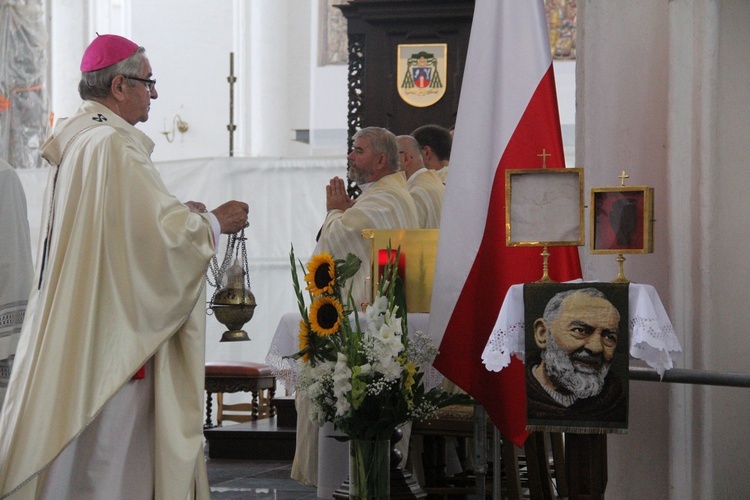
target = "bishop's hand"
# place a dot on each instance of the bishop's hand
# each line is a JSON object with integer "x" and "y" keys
{"x": 196, "y": 207}
{"x": 232, "y": 216}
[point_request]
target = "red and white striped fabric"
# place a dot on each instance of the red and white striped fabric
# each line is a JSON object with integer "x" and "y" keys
{"x": 506, "y": 116}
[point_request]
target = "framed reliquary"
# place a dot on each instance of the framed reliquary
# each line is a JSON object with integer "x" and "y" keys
{"x": 544, "y": 207}
{"x": 622, "y": 220}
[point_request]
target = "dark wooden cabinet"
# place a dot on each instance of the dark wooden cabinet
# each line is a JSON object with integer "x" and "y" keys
{"x": 375, "y": 29}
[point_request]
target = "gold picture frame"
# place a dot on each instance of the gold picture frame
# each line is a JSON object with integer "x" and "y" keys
{"x": 544, "y": 207}
{"x": 622, "y": 220}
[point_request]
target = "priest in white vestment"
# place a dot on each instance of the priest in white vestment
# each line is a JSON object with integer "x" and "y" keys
{"x": 118, "y": 286}
{"x": 15, "y": 267}
{"x": 385, "y": 203}
{"x": 425, "y": 186}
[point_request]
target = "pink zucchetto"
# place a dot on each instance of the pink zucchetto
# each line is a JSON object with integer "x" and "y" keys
{"x": 106, "y": 50}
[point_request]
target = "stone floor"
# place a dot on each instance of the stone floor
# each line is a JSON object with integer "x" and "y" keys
{"x": 264, "y": 479}
{"x": 255, "y": 479}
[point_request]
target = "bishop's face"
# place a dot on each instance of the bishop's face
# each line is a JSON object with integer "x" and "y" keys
{"x": 138, "y": 96}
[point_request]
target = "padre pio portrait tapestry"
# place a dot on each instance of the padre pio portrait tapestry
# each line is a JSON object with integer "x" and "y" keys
{"x": 576, "y": 339}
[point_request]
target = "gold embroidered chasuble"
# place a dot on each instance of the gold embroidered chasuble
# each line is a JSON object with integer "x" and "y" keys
{"x": 121, "y": 280}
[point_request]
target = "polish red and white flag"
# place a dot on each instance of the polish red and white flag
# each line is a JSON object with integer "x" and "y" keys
{"x": 507, "y": 115}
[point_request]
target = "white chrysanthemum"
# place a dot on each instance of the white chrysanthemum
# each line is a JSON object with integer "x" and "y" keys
{"x": 385, "y": 333}
{"x": 341, "y": 360}
{"x": 342, "y": 382}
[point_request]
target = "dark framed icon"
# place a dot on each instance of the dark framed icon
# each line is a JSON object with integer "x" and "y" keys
{"x": 544, "y": 207}
{"x": 576, "y": 357}
{"x": 622, "y": 220}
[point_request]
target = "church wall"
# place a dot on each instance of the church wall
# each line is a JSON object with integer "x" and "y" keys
{"x": 691, "y": 191}
{"x": 706, "y": 149}
{"x": 621, "y": 125}
{"x": 67, "y": 43}
{"x": 328, "y": 90}
{"x": 277, "y": 86}
{"x": 280, "y": 88}
{"x": 728, "y": 339}
{"x": 188, "y": 45}
{"x": 662, "y": 93}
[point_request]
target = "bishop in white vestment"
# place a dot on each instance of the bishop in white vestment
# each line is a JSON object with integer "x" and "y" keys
{"x": 118, "y": 285}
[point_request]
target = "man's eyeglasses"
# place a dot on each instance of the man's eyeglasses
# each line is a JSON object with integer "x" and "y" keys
{"x": 149, "y": 84}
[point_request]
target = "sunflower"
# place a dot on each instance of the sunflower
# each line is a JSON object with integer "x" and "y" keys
{"x": 324, "y": 315}
{"x": 322, "y": 274}
{"x": 304, "y": 340}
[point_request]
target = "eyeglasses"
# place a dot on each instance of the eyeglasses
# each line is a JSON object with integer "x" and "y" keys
{"x": 149, "y": 84}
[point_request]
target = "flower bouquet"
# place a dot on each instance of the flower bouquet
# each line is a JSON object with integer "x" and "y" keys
{"x": 362, "y": 372}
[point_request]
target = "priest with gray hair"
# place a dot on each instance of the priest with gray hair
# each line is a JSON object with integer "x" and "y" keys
{"x": 385, "y": 203}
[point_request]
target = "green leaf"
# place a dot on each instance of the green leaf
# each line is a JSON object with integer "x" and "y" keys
{"x": 348, "y": 267}
{"x": 295, "y": 282}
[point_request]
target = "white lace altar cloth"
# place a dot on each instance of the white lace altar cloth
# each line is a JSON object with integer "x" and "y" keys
{"x": 652, "y": 337}
{"x": 286, "y": 342}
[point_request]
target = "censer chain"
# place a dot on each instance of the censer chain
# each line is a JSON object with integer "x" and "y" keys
{"x": 218, "y": 272}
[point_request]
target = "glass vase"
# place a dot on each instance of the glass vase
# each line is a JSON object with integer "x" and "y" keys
{"x": 369, "y": 469}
